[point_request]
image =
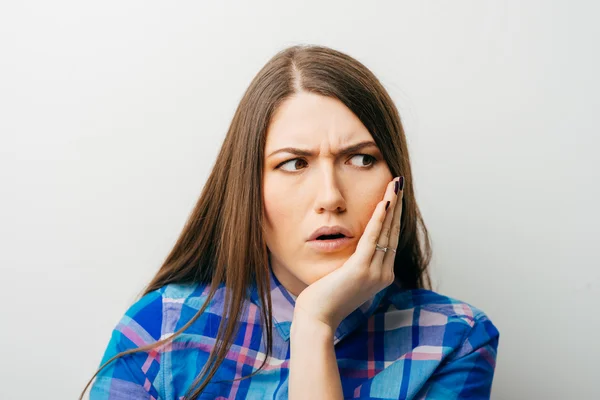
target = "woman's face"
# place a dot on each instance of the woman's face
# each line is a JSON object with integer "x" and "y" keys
{"x": 311, "y": 182}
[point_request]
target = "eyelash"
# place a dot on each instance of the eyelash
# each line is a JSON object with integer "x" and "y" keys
{"x": 368, "y": 156}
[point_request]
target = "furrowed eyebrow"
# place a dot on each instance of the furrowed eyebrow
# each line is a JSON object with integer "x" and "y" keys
{"x": 306, "y": 153}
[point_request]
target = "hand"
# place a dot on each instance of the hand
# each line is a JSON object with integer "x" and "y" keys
{"x": 332, "y": 298}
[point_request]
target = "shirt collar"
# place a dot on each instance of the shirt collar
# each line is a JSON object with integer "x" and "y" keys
{"x": 283, "y": 309}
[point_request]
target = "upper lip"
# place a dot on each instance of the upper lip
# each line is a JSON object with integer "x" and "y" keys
{"x": 330, "y": 230}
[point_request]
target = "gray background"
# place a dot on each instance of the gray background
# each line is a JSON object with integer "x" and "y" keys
{"x": 112, "y": 113}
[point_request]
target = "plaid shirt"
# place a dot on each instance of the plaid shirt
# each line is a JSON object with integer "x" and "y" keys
{"x": 401, "y": 344}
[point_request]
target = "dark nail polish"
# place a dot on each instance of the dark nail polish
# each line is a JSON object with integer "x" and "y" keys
{"x": 401, "y": 182}
{"x": 396, "y": 187}
{"x": 387, "y": 205}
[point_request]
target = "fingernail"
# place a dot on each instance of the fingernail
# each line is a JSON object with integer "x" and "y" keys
{"x": 401, "y": 183}
{"x": 387, "y": 205}
{"x": 396, "y": 187}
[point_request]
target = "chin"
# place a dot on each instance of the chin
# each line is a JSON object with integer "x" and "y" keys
{"x": 321, "y": 268}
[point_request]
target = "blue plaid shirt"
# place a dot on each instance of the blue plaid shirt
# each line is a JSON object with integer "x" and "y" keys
{"x": 401, "y": 344}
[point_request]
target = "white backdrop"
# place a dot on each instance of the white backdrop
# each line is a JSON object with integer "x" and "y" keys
{"x": 112, "y": 112}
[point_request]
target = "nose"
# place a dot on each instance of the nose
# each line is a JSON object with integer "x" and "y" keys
{"x": 329, "y": 197}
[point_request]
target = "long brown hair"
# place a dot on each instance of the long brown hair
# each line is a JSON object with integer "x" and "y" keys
{"x": 223, "y": 242}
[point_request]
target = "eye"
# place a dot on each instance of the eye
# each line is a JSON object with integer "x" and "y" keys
{"x": 298, "y": 163}
{"x": 370, "y": 159}
{"x": 293, "y": 162}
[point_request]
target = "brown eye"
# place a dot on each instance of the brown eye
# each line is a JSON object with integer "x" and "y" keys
{"x": 296, "y": 162}
{"x": 367, "y": 160}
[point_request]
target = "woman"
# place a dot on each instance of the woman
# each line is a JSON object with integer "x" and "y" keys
{"x": 300, "y": 272}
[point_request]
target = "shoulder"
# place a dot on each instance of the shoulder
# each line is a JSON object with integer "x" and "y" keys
{"x": 156, "y": 315}
{"x": 163, "y": 311}
{"x": 434, "y": 307}
{"x": 448, "y": 321}
{"x": 451, "y": 345}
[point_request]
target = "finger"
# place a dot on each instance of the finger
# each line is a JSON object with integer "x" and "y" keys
{"x": 384, "y": 235}
{"x": 366, "y": 245}
{"x": 394, "y": 237}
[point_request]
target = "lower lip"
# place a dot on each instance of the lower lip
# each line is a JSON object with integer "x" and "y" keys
{"x": 331, "y": 245}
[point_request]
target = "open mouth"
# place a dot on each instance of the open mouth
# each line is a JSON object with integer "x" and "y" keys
{"x": 331, "y": 237}
{"x": 330, "y": 243}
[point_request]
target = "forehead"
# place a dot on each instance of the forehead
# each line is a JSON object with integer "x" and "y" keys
{"x": 309, "y": 119}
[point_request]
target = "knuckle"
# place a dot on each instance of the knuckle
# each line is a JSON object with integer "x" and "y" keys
{"x": 385, "y": 231}
{"x": 373, "y": 238}
{"x": 363, "y": 275}
{"x": 381, "y": 275}
{"x": 381, "y": 218}
{"x": 390, "y": 278}
{"x": 387, "y": 278}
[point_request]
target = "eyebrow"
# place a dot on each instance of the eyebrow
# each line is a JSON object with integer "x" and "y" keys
{"x": 307, "y": 153}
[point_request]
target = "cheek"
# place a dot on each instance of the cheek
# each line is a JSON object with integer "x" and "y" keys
{"x": 279, "y": 208}
{"x": 368, "y": 200}
{"x": 366, "y": 212}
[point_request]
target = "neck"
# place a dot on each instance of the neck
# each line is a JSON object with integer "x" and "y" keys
{"x": 290, "y": 282}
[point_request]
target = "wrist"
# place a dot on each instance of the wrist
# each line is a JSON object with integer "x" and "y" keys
{"x": 311, "y": 328}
